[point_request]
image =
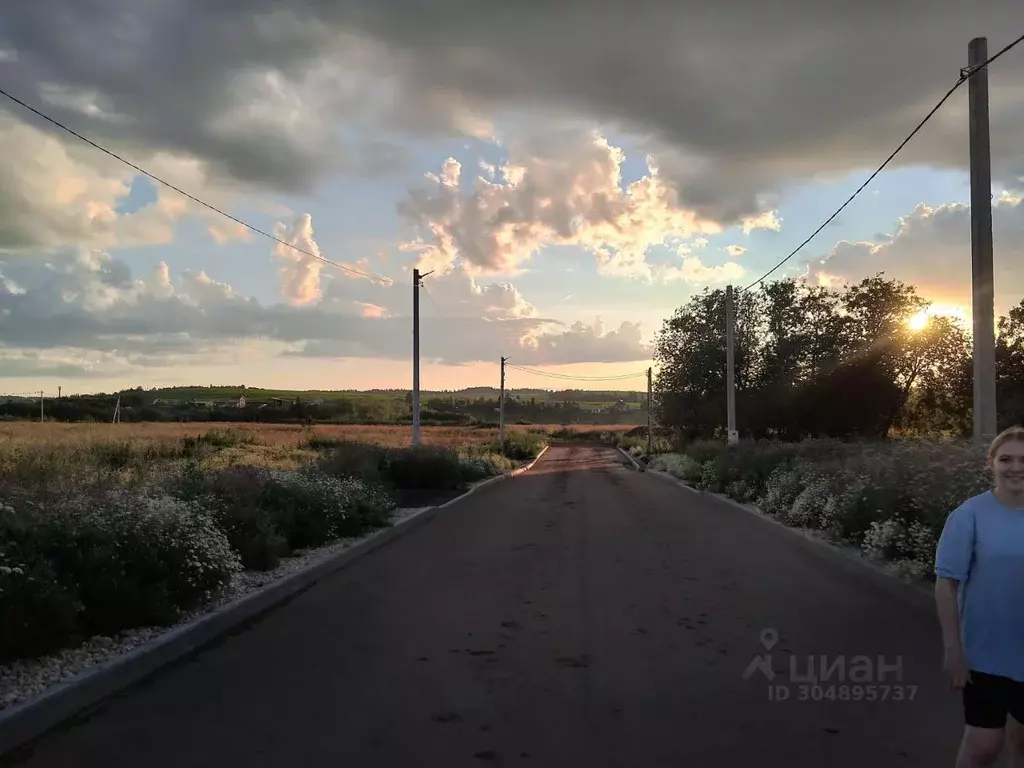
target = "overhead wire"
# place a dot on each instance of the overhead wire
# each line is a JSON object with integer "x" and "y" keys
{"x": 569, "y": 377}
{"x": 965, "y": 75}
{"x": 215, "y": 209}
{"x": 437, "y": 312}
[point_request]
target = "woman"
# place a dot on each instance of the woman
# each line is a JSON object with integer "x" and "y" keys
{"x": 979, "y": 592}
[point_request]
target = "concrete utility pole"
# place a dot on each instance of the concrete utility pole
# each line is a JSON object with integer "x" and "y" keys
{"x": 983, "y": 311}
{"x": 42, "y": 415}
{"x": 501, "y": 405}
{"x": 730, "y": 366}
{"x": 417, "y": 276}
{"x": 650, "y": 433}
{"x": 117, "y": 412}
{"x": 415, "y": 357}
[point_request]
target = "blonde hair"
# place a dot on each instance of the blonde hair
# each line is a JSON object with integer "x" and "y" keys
{"x": 1013, "y": 434}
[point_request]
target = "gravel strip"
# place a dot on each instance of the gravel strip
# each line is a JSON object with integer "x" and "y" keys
{"x": 21, "y": 680}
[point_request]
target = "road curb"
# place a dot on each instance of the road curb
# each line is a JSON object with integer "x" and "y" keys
{"x": 917, "y": 594}
{"x": 634, "y": 462}
{"x": 27, "y": 721}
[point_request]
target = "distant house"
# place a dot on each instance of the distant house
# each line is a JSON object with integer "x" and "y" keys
{"x": 241, "y": 402}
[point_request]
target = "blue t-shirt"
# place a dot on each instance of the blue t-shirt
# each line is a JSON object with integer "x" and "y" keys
{"x": 982, "y": 546}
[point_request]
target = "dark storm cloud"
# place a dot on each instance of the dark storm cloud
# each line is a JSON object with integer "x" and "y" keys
{"x": 737, "y": 99}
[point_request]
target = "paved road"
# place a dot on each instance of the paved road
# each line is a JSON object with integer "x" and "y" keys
{"x": 582, "y": 615}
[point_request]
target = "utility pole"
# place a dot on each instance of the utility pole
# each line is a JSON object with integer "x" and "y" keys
{"x": 416, "y": 277}
{"x": 501, "y": 406}
{"x": 58, "y": 392}
{"x": 42, "y": 415}
{"x": 983, "y": 311}
{"x": 117, "y": 411}
{"x": 650, "y": 434}
{"x": 730, "y": 365}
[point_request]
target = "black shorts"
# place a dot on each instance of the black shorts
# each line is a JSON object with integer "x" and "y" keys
{"x": 988, "y": 699}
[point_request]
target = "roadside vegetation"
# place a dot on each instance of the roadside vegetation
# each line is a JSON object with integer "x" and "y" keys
{"x": 887, "y": 499}
{"x": 106, "y": 529}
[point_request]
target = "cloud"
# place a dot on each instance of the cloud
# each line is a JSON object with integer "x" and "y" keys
{"x": 52, "y": 195}
{"x": 300, "y": 275}
{"x": 370, "y": 310}
{"x": 73, "y": 305}
{"x": 556, "y": 188}
{"x": 931, "y": 249}
{"x": 581, "y": 343}
{"x": 733, "y": 112}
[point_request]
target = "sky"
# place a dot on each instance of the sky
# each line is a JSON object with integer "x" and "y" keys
{"x": 568, "y": 173}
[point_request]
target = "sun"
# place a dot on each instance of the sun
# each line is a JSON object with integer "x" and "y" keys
{"x": 918, "y": 322}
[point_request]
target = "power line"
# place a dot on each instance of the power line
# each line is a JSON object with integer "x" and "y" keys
{"x": 195, "y": 199}
{"x": 568, "y": 377}
{"x": 965, "y": 75}
{"x": 437, "y": 312}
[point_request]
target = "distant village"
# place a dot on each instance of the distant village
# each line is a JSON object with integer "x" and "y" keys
{"x": 234, "y": 402}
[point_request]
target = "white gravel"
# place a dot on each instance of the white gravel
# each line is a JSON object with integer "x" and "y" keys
{"x": 21, "y": 680}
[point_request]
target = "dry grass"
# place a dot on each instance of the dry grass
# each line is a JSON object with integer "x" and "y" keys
{"x": 138, "y": 451}
{"x": 268, "y": 435}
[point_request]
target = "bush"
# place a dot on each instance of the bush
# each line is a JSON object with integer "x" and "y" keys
{"x": 523, "y": 445}
{"x": 362, "y": 461}
{"x": 267, "y": 514}
{"x": 311, "y": 509}
{"x": 476, "y": 468}
{"x": 891, "y": 498}
{"x": 38, "y": 615}
{"x": 808, "y": 509}
{"x": 784, "y": 485}
{"x": 236, "y": 498}
{"x": 104, "y": 563}
{"x": 424, "y": 467}
{"x": 679, "y": 465}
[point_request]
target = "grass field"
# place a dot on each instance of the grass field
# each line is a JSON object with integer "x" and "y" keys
{"x": 274, "y": 435}
{"x": 109, "y": 527}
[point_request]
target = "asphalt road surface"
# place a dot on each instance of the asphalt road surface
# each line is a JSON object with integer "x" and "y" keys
{"x": 582, "y": 615}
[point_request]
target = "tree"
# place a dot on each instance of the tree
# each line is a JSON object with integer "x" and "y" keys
{"x": 691, "y": 355}
{"x": 1010, "y": 367}
{"x": 936, "y": 390}
{"x": 813, "y": 360}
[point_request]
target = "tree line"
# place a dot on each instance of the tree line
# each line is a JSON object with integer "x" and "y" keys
{"x": 137, "y": 405}
{"x": 814, "y": 361}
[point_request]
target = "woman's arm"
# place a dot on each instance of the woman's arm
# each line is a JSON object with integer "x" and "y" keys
{"x": 954, "y": 661}
{"x": 949, "y": 614}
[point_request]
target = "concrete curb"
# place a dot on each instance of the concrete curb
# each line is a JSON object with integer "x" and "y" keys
{"x": 915, "y": 593}
{"x": 31, "y": 719}
{"x": 634, "y": 462}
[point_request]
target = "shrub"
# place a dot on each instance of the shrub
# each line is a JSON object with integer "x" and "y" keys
{"x": 362, "y": 461}
{"x": 808, "y": 508}
{"x": 523, "y": 445}
{"x": 679, "y": 465}
{"x": 310, "y": 509}
{"x": 424, "y": 467}
{"x": 107, "y": 562}
{"x": 910, "y": 546}
{"x": 267, "y": 514}
{"x": 784, "y": 485}
{"x": 703, "y": 451}
{"x": 236, "y": 499}
{"x": 476, "y": 468}
{"x": 38, "y": 615}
